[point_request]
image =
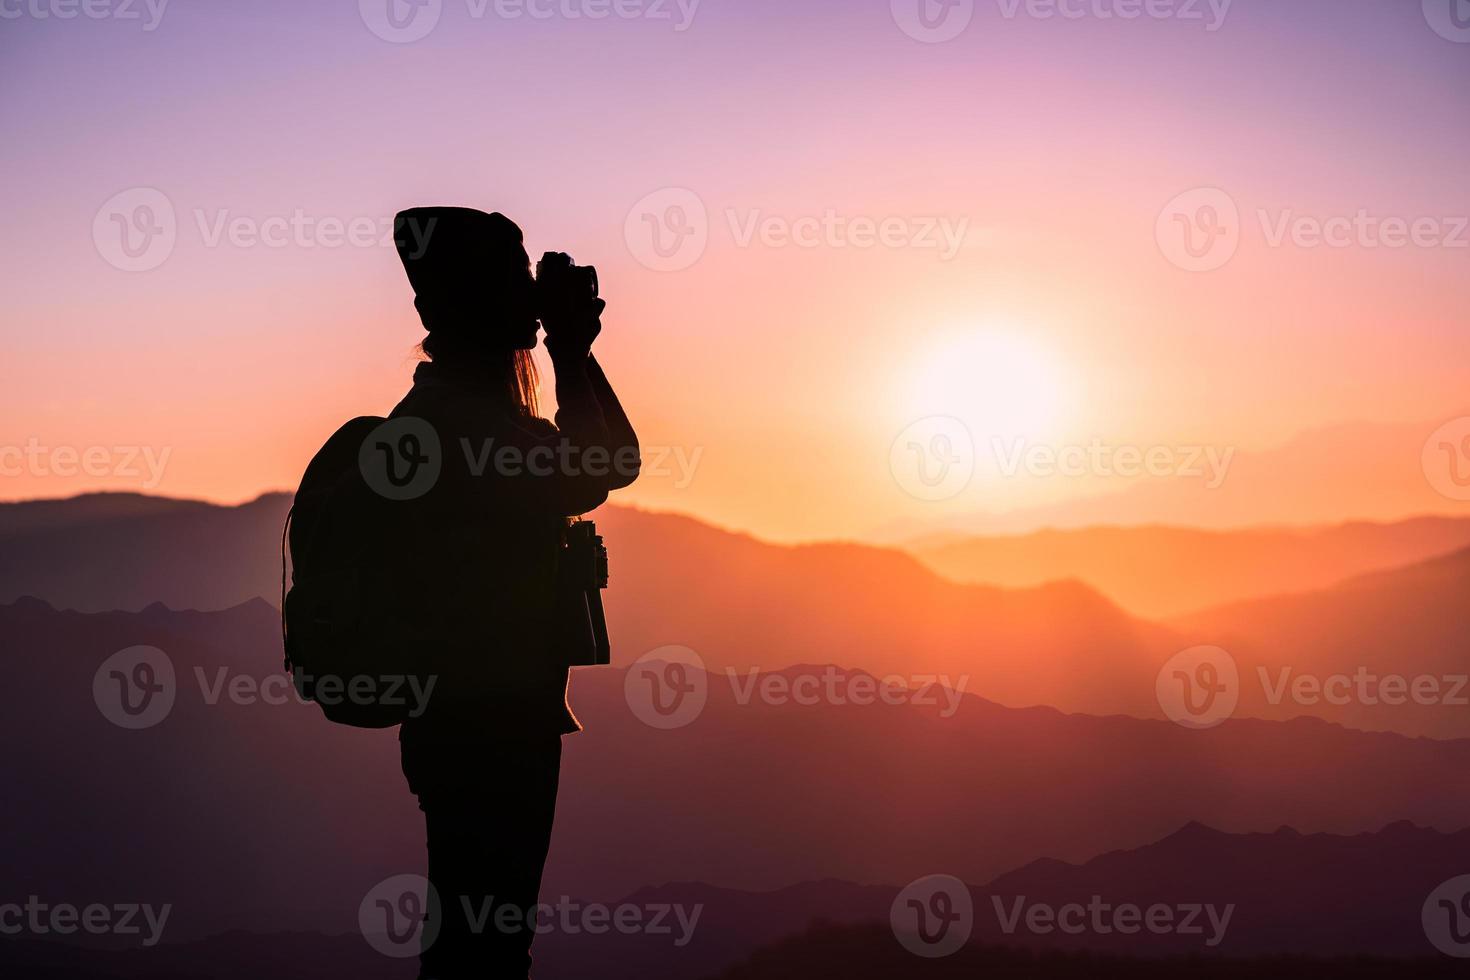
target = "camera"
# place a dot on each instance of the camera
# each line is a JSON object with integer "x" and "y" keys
{"x": 582, "y": 575}
{"x": 562, "y": 285}
{"x": 585, "y": 556}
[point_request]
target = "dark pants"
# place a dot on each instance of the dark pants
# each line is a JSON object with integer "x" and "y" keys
{"x": 489, "y": 810}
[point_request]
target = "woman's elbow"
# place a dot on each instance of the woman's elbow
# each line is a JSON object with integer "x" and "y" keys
{"x": 627, "y": 465}
{"x": 584, "y": 499}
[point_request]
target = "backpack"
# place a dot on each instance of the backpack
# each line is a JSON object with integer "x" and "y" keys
{"x": 350, "y": 645}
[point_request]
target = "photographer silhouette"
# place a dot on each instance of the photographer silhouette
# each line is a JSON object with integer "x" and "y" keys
{"x": 482, "y": 568}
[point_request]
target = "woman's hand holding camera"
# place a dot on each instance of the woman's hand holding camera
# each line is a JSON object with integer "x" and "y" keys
{"x": 571, "y": 335}
{"x": 570, "y": 309}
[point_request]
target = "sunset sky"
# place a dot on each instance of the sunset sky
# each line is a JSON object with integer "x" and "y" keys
{"x": 772, "y": 377}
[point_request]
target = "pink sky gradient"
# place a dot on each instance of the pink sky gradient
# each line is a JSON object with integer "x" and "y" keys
{"x": 788, "y": 371}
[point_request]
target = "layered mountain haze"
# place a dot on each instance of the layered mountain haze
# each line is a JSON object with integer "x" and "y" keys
{"x": 125, "y": 551}
{"x": 1053, "y": 424}
{"x": 869, "y": 952}
{"x": 1278, "y": 892}
{"x": 227, "y": 815}
{"x": 1161, "y": 572}
{"x": 743, "y": 604}
{"x": 789, "y": 793}
{"x": 1385, "y": 651}
{"x": 739, "y": 602}
{"x": 1309, "y": 900}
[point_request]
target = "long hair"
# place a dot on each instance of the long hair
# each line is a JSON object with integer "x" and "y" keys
{"x": 525, "y": 382}
{"x": 511, "y": 374}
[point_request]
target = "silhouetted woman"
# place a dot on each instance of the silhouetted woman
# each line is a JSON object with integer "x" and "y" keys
{"x": 484, "y": 757}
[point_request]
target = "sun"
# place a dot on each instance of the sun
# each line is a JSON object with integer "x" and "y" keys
{"x": 996, "y": 380}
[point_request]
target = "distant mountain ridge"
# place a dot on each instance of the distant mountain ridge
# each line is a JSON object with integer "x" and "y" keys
{"x": 1165, "y": 572}
{"x": 742, "y": 603}
{"x": 251, "y": 813}
{"x": 1287, "y": 893}
{"x": 869, "y": 952}
{"x": 737, "y": 601}
{"x": 125, "y": 551}
{"x": 1347, "y": 646}
{"x": 1321, "y": 894}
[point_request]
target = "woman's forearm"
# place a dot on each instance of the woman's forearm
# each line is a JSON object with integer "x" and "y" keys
{"x": 619, "y": 428}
